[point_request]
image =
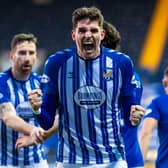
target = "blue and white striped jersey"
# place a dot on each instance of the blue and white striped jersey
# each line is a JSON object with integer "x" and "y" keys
{"x": 90, "y": 94}
{"x": 158, "y": 110}
{"x": 15, "y": 92}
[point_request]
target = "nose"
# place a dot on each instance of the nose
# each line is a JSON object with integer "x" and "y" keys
{"x": 27, "y": 56}
{"x": 88, "y": 34}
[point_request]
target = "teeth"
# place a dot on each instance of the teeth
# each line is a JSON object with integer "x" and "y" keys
{"x": 87, "y": 42}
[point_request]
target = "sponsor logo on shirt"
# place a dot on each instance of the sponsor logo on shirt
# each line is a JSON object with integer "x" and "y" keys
{"x": 89, "y": 97}
{"x": 24, "y": 110}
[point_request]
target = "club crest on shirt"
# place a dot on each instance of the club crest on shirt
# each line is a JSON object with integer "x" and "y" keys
{"x": 108, "y": 74}
{"x": 89, "y": 97}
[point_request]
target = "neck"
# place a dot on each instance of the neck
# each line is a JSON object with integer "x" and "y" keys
{"x": 20, "y": 76}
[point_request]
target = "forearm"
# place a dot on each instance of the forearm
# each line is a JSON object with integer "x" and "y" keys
{"x": 48, "y": 111}
{"x": 53, "y": 129}
{"x": 44, "y": 119}
{"x": 144, "y": 144}
{"x": 9, "y": 117}
{"x": 146, "y": 133}
{"x": 19, "y": 125}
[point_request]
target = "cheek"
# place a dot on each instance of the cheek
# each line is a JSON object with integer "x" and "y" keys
{"x": 33, "y": 60}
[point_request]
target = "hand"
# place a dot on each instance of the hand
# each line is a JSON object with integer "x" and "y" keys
{"x": 37, "y": 134}
{"x": 35, "y": 99}
{"x": 136, "y": 114}
{"x": 25, "y": 141}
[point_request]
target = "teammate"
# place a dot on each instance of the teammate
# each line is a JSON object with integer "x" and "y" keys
{"x": 15, "y": 111}
{"x": 156, "y": 117}
{"x": 89, "y": 84}
{"x": 133, "y": 153}
{"x": 112, "y": 37}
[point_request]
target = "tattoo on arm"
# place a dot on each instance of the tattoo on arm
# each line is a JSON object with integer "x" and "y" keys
{"x": 6, "y": 108}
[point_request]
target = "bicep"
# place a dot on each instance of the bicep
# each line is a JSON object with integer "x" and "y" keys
{"x": 149, "y": 124}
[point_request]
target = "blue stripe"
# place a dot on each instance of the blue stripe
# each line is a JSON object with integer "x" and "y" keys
{"x": 14, "y": 133}
{"x": 114, "y": 121}
{"x": 32, "y": 84}
{"x": 26, "y": 158}
{"x": 15, "y": 88}
{"x": 35, "y": 155}
{"x": 72, "y": 154}
{"x": 4, "y": 144}
{"x": 91, "y": 122}
{"x": 24, "y": 92}
{"x": 77, "y": 111}
{"x": 15, "y": 160}
{"x": 103, "y": 85}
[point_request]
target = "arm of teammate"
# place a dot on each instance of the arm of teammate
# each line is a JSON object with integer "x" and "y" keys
{"x": 145, "y": 134}
{"x": 136, "y": 114}
{"x": 53, "y": 129}
{"x": 44, "y": 107}
{"x": 9, "y": 117}
{"x": 24, "y": 140}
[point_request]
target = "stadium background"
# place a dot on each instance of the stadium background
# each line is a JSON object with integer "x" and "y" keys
{"x": 143, "y": 25}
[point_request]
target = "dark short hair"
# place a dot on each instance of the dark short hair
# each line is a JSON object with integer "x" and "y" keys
{"x": 21, "y": 37}
{"x": 112, "y": 36}
{"x": 92, "y": 13}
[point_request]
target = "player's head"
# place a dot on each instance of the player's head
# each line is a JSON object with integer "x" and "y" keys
{"x": 165, "y": 80}
{"x": 91, "y": 13}
{"x": 112, "y": 36}
{"x": 87, "y": 31}
{"x": 23, "y": 53}
{"x": 22, "y": 37}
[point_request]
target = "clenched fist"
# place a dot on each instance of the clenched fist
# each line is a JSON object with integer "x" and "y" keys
{"x": 35, "y": 99}
{"x": 136, "y": 114}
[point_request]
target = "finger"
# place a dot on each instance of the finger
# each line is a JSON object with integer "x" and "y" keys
{"x": 140, "y": 108}
{"x": 35, "y": 91}
{"x": 18, "y": 145}
{"x": 139, "y": 114}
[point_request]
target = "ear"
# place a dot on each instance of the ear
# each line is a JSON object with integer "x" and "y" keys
{"x": 102, "y": 34}
{"x": 10, "y": 55}
{"x": 73, "y": 35}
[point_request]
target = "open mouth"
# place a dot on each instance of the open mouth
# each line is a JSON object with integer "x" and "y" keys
{"x": 26, "y": 66}
{"x": 88, "y": 46}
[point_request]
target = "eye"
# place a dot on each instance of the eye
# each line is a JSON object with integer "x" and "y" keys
{"x": 94, "y": 30}
{"x": 82, "y": 30}
{"x": 31, "y": 52}
{"x": 22, "y": 52}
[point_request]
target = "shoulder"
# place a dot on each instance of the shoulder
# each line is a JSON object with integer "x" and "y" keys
{"x": 36, "y": 76}
{"x": 120, "y": 59}
{"x": 161, "y": 99}
{"x": 60, "y": 56}
{"x": 4, "y": 76}
{"x": 116, "y": 55}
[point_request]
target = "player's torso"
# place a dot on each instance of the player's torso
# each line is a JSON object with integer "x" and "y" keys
{"x": 16, "y": 93}
{"x": 91, "y": 117}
